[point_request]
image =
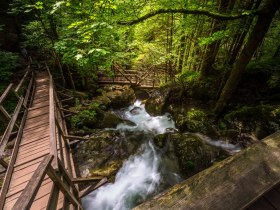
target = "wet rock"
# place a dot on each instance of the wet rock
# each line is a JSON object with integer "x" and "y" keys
{"x": 122, "y": 98}
{"x": 109, "y": 170}
{"x": 108, "y": 120}
{"x": 156, "y": 104}
{"x": 141, "y": 94}
{"x": 162, "y": 98}
{"x": 104, "y": 153}
{"x": 103, "y": 101}
{"x": 193, "y": 153}
{"x": 135, "y": 110}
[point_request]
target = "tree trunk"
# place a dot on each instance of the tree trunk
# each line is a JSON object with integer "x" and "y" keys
{"x": 212, "y": 49}
{"x": 257, "y": 35}
{"x": 181, "y": 53}
{"x": 240, "y": 37}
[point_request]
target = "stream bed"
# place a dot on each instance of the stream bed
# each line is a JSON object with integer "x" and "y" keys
{"x": 147, "y": 172}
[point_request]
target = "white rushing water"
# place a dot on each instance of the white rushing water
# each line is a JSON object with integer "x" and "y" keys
{"x": 144, "y": 122}
{"x": 139, "y": 176}
{"x": 231, "y": 148}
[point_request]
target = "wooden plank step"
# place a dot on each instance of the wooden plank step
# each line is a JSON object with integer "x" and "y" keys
{"x": 39, "y": 100}
{"x": 38, "y": 106}
{"x": 31, "y": 154}
{"x": 40, "y": 199}
{"x": 35, "y": 139}
{"x": 35, "y": 130}
{"x": 28, "y": 164}
{"x": 35, "y": 124}
{"x": 15, "y": 192}
{"x": 37, "y": 112}
{"x": 30, "y": 158}
{"x": 32, "y": 150}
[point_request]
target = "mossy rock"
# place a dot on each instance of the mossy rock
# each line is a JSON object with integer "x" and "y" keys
{"x": 160, "y": 140}
{"x": 193, "y": 153}
{"x": 108, "y": 120}
{"x": 103, "y": 101}
{"x": 108, "y": 171}
{"x": 120, "y": 99}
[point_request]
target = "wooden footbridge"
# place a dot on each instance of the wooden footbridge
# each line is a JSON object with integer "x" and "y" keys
{"x": 148, "y": 78}
{"x": 40, "y": 173}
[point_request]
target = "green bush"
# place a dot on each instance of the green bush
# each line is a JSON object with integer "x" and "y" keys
{"x": 85, "y": 118}
{"x": 8, "y": 62}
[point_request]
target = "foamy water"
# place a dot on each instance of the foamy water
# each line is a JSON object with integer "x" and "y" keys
{"x": 140, "y": 175}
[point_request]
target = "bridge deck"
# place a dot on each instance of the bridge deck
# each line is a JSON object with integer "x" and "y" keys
{"x": 33, "y": 147}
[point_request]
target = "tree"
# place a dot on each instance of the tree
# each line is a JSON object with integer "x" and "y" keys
{"x": 256, "y": 37}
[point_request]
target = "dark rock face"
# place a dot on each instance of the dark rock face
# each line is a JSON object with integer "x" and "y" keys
{"x": 105, "y": 152}
{"x": 141, "y": 94}
{"x": 193, "y": 153}
{"x": 156, "y": 104}
{"x": 121, "y": 97}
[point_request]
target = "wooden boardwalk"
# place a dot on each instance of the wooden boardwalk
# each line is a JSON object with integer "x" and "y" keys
{"x": 41, "y": 167}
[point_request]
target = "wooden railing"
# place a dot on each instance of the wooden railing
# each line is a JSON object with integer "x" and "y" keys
{"x": 149, "y": 77}
{"x": 57, "y": 165}
{"x": 62, "y": 182}
{"x": 23, "y": 99}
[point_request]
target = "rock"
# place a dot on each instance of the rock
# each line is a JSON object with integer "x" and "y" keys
{"x": 121, "y": 99}
{"x": 108, "y": 170}
{"x": 156, "y": 104}
{"x": 103, "y": 101}
{"x": 104, "y": 153}
{"x": 141, "y": 94}
{"x": 161, "y": 98}
{"x": 135, "y": 110}
{"x": 108, "y": 120}
{"x": 195, "y": 120}
{"x": 193, "y": 153}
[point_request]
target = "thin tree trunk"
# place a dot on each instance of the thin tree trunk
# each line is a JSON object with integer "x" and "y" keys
{"x": 71, "y": 78}
{"x": 59, "y": 67}
{"x": 257, "y": 35}
{"x": 212, "y": 49}
{"x": 241, "y": 37}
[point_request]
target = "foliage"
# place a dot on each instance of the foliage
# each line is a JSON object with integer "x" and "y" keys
{"x": 187, "y": 78}
{"x": 8, "y": 62}
{"x": 218, "y": 35}
{"x": 84, "y": 118}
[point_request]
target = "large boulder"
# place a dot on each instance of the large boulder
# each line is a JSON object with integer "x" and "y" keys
{"x": 156, "y": 104}
{"x": 192, "y": 152}
{"x": 162, "y": 98}
{"x": 121, "y": 98}
{"x": 105, "y": 152}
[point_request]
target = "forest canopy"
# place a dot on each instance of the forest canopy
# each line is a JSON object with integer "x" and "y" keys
{"x": 190, "y": 40}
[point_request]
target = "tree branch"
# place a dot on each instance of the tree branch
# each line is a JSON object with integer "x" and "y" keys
{"x": 214, "y": 15}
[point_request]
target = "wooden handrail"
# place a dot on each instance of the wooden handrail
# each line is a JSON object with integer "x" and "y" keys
{"x": 30, "y": 191}
{"x": 119, "y": 70}
{"x": 6, "y": 92}
{"x": 10, "y": 127}
{"x": 10, "y": 168}
{"x": 63, "y": 187}
{"x": 53, "y": 142}
{"x": 22, "y": 80}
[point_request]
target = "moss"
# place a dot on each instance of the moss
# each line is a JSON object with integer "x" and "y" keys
{"x": 108, "y": 171}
